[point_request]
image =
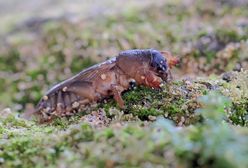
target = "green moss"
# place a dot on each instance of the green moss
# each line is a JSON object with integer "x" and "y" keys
{"x": 210, "y": 55}
{"x": 229, "y": 35}
{"x": 144, "y": 113}
{"x": 139, "y": 94}
{"x": 80, "y": 133}
{"x": 11, "y": 61}
{"x": 11, "y": 121}
{"x": 172, "y": 109}
{"x": 239, "y": 114}
{"x": 80, "y": 144}
{"x": 81, "y": 63}
{"x": 106, "y": 134}
{"x": 133, "y": 15}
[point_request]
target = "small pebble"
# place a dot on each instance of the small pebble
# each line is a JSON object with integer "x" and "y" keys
{"x": 75, "y": 104}
{"x": 152, "y": 118}
{"x": 228, "y": 76}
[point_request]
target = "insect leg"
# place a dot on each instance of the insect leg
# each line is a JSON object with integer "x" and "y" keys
{"x": 116, "y": 90}
{"x": 60, "y": 104}
{"x": 68, "y": 103}
{"x": 53, "y": 100}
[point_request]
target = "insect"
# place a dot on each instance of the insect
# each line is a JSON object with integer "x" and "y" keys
{"x": 147, "y": 67}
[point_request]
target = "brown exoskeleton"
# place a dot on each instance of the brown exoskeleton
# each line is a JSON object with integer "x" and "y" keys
{"x": 146, "y": 67}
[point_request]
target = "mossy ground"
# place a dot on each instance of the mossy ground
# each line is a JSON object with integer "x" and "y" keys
{"x": 209, "y": 142}
{"x": 199, "y": 119}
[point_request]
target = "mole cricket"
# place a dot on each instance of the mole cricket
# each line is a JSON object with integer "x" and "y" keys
{"x": 147, "y": 67}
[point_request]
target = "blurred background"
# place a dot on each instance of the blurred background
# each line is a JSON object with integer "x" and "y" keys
{"x": 44, "y": 42}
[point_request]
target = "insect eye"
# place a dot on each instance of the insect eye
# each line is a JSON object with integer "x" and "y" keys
{"x": 159, "y": 62}
{"x": 162, "y": 66}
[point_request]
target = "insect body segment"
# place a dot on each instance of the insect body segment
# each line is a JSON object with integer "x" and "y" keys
{"x": 142, "y": 67}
